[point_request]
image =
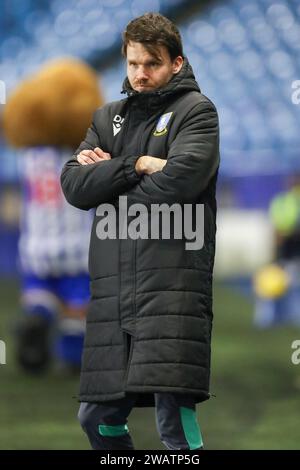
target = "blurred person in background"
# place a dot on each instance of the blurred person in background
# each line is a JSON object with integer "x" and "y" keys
{"x": 44, "y": 118}
{"x": 278, "y": 286}
{"x": 149, "y": 322}
{"x": 285, "y": 217}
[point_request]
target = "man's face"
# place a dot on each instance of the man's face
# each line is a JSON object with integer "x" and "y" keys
{"x": 148, "y": 73}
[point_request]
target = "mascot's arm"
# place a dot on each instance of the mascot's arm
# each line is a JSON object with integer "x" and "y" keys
{"x": 87, "y": 186}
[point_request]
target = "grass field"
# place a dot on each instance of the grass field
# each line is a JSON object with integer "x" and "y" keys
{"x": 257, "y": 390}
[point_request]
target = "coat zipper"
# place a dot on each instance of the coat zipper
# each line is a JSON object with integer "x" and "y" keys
{"x": 128, "y": 361}
{"x": 134, "y": 282}
{"x": 135, "y": 244}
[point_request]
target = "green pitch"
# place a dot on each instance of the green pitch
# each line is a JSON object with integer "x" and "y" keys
{"x": 256, "y": 385}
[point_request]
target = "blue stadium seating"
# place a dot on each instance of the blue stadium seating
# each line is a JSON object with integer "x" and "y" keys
{"x": 245, "y": 56}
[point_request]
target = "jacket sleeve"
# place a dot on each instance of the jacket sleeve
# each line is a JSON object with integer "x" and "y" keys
{"x": 192, "y": 160}
{"x": 87, "y": 186}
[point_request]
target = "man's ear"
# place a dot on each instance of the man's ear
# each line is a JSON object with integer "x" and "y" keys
{"x": 177, "y": 64}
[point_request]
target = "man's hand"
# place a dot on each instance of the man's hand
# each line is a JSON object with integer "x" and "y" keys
{"x": 87, "y": 157}
{"x": 148, "y": 165}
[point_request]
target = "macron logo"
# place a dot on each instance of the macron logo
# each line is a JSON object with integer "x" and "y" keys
{"x": 117, "y": 124}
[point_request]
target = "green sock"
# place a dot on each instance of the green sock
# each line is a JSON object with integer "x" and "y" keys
{"x": 191, "y": 428}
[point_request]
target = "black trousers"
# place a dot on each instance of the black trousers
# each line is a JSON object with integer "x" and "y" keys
{"x": 106, "y": 423}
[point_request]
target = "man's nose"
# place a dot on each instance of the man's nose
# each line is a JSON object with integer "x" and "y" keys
{"x": 141, "y": 74}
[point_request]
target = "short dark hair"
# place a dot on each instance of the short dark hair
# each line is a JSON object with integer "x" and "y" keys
{"x": 153, "y": 30}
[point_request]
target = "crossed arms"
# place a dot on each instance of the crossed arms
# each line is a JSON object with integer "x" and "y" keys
{"x": 144, "y": 164}
{"x": 92, "y": 177}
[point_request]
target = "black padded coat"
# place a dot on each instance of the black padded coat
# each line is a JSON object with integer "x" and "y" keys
{"x": 150, "y": 314}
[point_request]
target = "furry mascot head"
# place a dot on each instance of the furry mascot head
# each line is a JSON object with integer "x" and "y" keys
{"x": 54, "y": 107}
{"x": 46, "y": 118}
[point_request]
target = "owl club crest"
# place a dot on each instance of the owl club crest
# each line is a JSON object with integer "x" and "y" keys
{"x": 161, "y": 127}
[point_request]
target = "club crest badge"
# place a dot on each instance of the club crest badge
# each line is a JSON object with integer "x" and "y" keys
{"x": 161, "y": 127}
{"x": 117, "y": 124}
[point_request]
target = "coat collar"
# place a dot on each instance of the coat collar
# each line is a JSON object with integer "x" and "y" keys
{"x": 182, "y": 82}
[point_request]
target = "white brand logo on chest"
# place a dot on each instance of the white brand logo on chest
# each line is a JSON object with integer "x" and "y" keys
{"x": 117, "y": 124}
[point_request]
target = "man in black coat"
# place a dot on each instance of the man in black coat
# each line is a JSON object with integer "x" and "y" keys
{"x": 150, "y": 157}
